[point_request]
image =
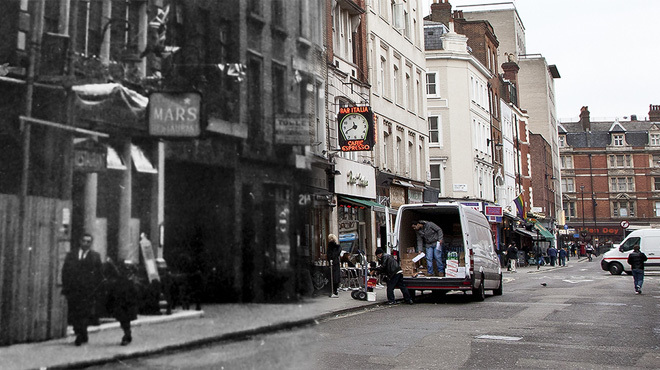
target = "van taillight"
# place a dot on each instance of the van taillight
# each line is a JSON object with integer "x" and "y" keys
{"x": 471, "y": 262}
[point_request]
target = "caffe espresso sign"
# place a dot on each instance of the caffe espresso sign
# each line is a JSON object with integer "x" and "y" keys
{"x": 357, "y": 129}
{"x": 174, "y": 114}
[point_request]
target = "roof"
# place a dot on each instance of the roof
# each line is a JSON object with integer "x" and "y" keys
{"x": 636, "y": 132}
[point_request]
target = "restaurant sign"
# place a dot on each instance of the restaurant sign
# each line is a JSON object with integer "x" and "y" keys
{"x": 175, "y": 114}
{"x": 357, "y": 129}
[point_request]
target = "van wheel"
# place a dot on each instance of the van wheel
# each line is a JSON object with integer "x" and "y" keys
{"x": 615, "y": 268}
{"x": 479, "y": 294}
{"x": 499, "y": 290}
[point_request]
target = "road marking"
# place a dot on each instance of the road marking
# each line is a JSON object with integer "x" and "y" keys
{"x": 577, "y": 281}
{"x": 498, "y": 337}
{"x": 609, "y": 304}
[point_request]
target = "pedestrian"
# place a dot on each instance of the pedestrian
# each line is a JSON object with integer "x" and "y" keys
{"x": 81, "y": 283}
{"x": 333, "y": 254}
{"x": 552, "y": 253}
{"x": 512, "y": 256}
{"x": 121, "y": 301}
{"x": 636, "y": 260}
{"x": 430, "y": 240}
{"x": 563, "y": 254}
{"x": 538, "y": 255}
{"x": 392, "y": 274}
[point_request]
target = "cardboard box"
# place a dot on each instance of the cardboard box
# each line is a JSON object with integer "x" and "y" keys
{"x": 371, "y": 296}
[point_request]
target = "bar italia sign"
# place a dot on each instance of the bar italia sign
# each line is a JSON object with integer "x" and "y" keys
{"x": 357, "y": 128}
{"x": 174, "y": 114}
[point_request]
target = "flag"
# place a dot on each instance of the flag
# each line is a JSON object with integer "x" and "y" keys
{"x": 520, "y": 204}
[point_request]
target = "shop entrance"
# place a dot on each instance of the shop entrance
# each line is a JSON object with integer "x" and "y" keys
{"x": 200, "y": 226}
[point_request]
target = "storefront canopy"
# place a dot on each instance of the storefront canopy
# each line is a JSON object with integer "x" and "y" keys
{"x": 363, "y": 202}
{"x": 544, "y": 232}
{"x": 111, "y": 104}
{"x": 529, "y": 234}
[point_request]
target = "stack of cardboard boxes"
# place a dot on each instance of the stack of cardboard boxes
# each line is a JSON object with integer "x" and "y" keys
{"x": 455, "y": 265}
{"x": 412, "y": 263}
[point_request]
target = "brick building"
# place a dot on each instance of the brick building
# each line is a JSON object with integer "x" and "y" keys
{"x": 610, "y": 172}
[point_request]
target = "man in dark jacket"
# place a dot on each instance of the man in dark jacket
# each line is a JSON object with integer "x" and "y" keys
{"x": 391, "y": 270}
{"x": 636, "y": 260}
{"x": 512, "y": 256}
{"x": 430, "y": 240}
{"x": 81, "y": 280}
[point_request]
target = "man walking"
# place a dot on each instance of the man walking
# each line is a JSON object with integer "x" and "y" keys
{"x": 512, "y": 256}
{"x": 81, "y": 280}
{"x": 391, "y": 270}
{"x": 552, "y": 253}
{"x": 538, "y": 255}
{"x": 430, "y": 239}
{"x": 636, "y": 260}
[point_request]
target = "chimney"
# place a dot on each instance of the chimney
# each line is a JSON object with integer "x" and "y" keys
{"x": 510, "y": 69}
{"x": 654, "y": 113}
{"x": 584, "y": 118}
{"x": 441, "y": 11}
{"x": 633, "y": 117}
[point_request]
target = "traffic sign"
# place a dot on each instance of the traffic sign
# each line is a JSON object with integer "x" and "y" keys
{"x": 625, "y": 224}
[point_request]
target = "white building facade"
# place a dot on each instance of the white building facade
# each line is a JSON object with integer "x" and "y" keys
{"x": 460, "y": 154}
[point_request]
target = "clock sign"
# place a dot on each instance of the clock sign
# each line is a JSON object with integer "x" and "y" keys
{"x": 356, "y": 127}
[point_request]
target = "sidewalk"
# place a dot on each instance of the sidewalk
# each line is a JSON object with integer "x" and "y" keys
{"x": 532, "y": 268}
{"x": 182, "y": 329}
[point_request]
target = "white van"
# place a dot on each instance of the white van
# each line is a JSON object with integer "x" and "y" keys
{"x": 616, "y": 260}
{"x": 471, "y": 261}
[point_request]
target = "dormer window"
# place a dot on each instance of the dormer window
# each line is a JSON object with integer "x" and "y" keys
{"x": 617, "y": 139}
{"x": 562, "y": 141}
{"x": 654, "y": 139}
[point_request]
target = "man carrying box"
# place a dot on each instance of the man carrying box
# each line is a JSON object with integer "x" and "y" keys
{"x": 429, "y": 238}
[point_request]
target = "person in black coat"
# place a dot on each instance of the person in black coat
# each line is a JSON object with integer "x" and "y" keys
{"x": 333, "y": 254}
{"x": 81, "y": 284}
{"x": 636, "y": 260}
{"x": 121, "y": 301}
{"x": 391, "y": 271}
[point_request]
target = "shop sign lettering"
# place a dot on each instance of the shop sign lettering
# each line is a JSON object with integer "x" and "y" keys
{"x": 174, "y": 114}
{"x": 358, "y": 179}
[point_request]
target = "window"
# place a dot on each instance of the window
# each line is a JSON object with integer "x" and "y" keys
{"x": 255, "y": 107}
{"x": 397, "y": 155}
{"x": 410, "y": 93}
{"x": 569, "y": 209}
{"x": 657, "y": 209}
{"x": 621, "y": 184}
{"x": 279, "y": 89}
{"x": 434, "y": 129}
{"x": 395, "y": 83}
{"x": 431, "y": 87}
{"x": 406, "y": 24}
{"x": 656, "y": 183}
{"x": 656, "y": 160}
{"x": 566, "y": 162}
{"x": 381, "y": 78}
{"x": 386, "y": 139}
{"x": 567, "y": 184}
{"x": 623, "y": 208}
{"x": 620, "y": 160}
{"x": 655, "y": 139}
{"x": 562, "y": 141}
{"x": 629, "y": 244}
{"x": 255, "y": 6}
{"x": 411, "y": 159}
{"x": 617, "y": 139}
{"x": 278, "y": 12}
{"x": 436, "y": 181}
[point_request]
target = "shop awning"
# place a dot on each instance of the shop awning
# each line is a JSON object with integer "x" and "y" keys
{"x": 140, "y": 160}
{"x": 111, "y": 103}
{"x": 529, "y": 234}
{"x": 403, "y": 183}
{"x": 544, "y": 232}
{"x": 113, "y": 160}
{"x": 363, "y": 202}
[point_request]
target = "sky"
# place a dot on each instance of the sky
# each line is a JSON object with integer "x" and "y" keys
{"x": 606, "y": 52}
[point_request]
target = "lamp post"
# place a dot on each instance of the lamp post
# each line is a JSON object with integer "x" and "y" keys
{"x": 582, "y": 191}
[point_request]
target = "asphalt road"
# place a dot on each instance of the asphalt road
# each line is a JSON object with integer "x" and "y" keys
{"x": 577, "y": 317}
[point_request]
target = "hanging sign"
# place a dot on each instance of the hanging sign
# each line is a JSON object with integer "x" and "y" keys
{"x": 174, "y": 114}
{"x": 357, "y": 129}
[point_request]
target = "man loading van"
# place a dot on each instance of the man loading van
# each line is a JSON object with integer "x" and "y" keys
{"x": 429, "y": 240}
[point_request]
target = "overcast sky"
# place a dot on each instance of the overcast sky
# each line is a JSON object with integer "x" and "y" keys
{"x": 606, "y": 52}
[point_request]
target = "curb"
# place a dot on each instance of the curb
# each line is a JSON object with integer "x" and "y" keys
{"x": 238, "y": 335}
{"x": 142, "y": 320}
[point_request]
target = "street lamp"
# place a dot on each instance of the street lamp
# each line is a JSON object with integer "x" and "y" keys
{"x": 582, "y": 191}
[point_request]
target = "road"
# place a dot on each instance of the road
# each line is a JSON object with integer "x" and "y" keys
{"x": 575, "y": 317}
